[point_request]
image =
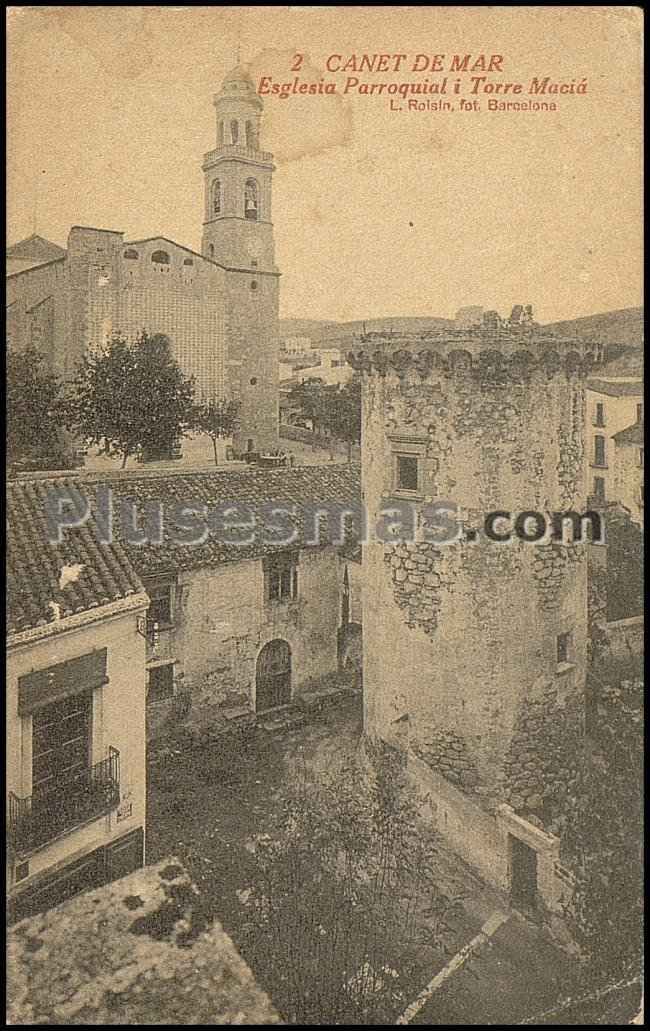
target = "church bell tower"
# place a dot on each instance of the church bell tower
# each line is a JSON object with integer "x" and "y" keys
{"x": 238, "y": 235}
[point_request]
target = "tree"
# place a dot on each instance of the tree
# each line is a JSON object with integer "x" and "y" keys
{"x": 33, "y": 410}
{"x": 344, "y": 413}
{"x": 347, "y": 911}
{"x": 309, "y": 397}
{"x": 334, "y": 409}
{"x": 217, "y": 419}
{"x": 130, "y": 396}
{"x": 604, "y": 836}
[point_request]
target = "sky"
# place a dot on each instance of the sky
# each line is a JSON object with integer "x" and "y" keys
{"x": 376, "y": 212}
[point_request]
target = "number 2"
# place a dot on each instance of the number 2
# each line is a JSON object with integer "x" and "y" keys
{"x": 297, "y": 63}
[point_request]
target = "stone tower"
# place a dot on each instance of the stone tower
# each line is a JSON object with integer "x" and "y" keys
{"x": 238, "y": 235}
{"x": 475, "y": 650}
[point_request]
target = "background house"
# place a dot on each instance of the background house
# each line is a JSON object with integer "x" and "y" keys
{"x": 238, "y": 628}
{"x": 612, "y": 405}
{"x": 629, "y": 461}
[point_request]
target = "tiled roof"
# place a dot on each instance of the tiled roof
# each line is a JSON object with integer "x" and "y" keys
{"x": 613, "y": 388}
{"x": 630, "y": 435}
{"x": 297, "y": 489}
{"x": 34, "y": 566}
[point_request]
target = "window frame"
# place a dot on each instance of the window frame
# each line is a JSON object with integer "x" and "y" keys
{"x": 281, "y": 584}
{"x": 251, "y": 181}
{"x": 599, "y": 414}
{"x": 162, "y": 589}
{"x": 564, "y": 650}
{"x": 216, "y": 198}
{"x": 403, "y": 446}
{"x": 599, "y": 440}
{"x": 85, "y": 699}
{"x": 155, "y": 670}
{"x": 401, "y": 466}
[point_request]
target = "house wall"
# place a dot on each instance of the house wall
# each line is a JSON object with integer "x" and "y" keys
{"x": 28, "y": 321}
{"x": 619, "y": 412}
{"x": 222, "y": 621}
{"x": 118, "y": 721}
{"x": 626, "y": 478}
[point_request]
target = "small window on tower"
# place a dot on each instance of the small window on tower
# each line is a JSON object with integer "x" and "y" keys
{"x": 563, "y": 648}
{"x": 234, "y": 131}
{"x": 211, "y": 250}
{"x": 131, "y": 254}
{"x": 251, "y": 206}
{"x": 216, "y": 197}
{"x": 188, "y": 261}
{"x": 250, "y": 137}
{"x": 254, "y": 285}
{"x": 220, "y": 134}
{"x": 407, "y": 472}
{"x": 160, "y": 258}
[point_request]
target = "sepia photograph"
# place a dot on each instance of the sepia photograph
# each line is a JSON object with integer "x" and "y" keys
{"x": 325, "y": 499}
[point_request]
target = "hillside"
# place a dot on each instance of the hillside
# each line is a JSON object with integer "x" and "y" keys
{"x": 622, "y": 328}
{"x": 321, "y": 331}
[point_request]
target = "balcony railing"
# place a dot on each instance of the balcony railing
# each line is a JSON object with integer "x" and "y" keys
{"x": 235, "y": 150}
{"x": 41, "y": 818}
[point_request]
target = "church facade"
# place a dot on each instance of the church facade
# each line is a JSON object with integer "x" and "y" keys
{"x": 219, "y": 308}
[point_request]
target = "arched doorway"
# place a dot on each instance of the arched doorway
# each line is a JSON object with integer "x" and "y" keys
{"x": 273, "y": 676}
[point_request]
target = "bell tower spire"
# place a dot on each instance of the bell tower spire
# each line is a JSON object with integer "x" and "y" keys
{"x": 237, "y": 227}
{"x": 238, "y": 235}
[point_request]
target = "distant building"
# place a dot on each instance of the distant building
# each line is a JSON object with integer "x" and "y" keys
{"x": 612, "y": 406}
{"x": 296, "y": 345}
{"x": 33, "y": 251}
{"x": 470, "y": 316}
{"x": 334, "y": 367}
{"x": 75, "y": 708}
{"x": 219, "y": 308}
{"x": 629, "y": 468}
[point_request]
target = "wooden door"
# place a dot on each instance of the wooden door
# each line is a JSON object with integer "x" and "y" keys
{"x": 273, "y": 676}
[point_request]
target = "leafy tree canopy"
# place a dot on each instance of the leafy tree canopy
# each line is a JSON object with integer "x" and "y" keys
{"x": 33, "y": 410}
{"x": 130, "y": 396}
{"x": 217, "y": 419}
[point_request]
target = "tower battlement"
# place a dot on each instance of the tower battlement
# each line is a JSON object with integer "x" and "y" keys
{"x": 516, "y": 347}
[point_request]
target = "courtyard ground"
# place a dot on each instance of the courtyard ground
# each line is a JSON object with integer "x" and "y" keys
{"x": 207, "y": 805}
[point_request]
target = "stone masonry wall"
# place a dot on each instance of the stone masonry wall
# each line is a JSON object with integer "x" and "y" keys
{"x": 462, "y": 638}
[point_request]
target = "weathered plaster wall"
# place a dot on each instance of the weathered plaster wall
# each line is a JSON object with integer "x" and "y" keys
{"x": 222, "y": 621}
{"x": 118, "y": 721}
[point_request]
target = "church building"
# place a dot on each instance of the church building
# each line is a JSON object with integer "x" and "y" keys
{"x": 219, "y": 308}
